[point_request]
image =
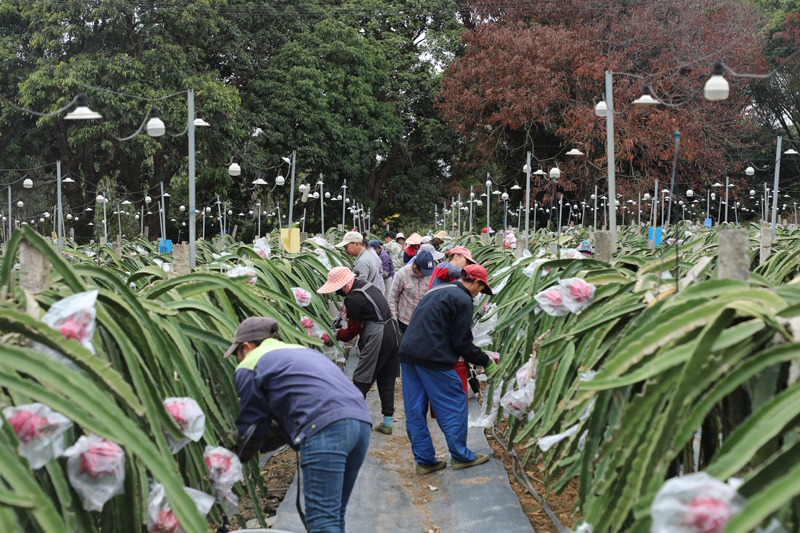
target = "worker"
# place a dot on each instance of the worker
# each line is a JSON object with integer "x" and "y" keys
{"x": 318, "y": 411}
{"x": 449, "y": 271}
{"x": 440, "y": 332}
{"x": 387, "y": 267}
{"x": 366, "y": 266}
{"x": 439, "y": 238}
{"x": 409, "y": 286}
{"x": 368, "y": 316}
{"x": 412, "y": 245}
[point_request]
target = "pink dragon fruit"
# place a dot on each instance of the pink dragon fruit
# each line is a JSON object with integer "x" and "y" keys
{"x": 178, "y": 412}
{"x": 165, "y": 522}
{"x": 101, "y": 458}
{"x": 75, "y": 326}
{"x": 707, "y": 515}
{"x": 28, "y": 426}
{"x": 554, "y": 297}
{"x": 306, "y": 322}
{"x": 218, "y": 465}
{"x": 580, "y": 291}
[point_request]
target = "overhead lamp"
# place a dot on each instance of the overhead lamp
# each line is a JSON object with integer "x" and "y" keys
{"x": 646, "y": 97}
{"x": 752, "y": 193}
{"x": 315, "y": 195}
{"x": 198, "y": 120}
{"x": 172, "y": 220}
{"x": 88, "y": 209}
{"x": 234, "y": 169}
{"x": 303, "y": 188}
{"x": 791, "y": 151}
{"x": 155, "y": 126}
{"x": 478, "y": 203}
{"x": 82, "y": 111}
{"x": 646, "y": 196}
{"x": 147, "y": 199}
{"x": 717, "y": 184}
{"x": 208, "y": 209}
{"x": 69, "y": 216}
{"x": 555, "y": 173}
{"x": 91, "y": 224}
{"x": 287, "y": 160}
{"x": 505, "y": 196}
{"x": 347, "y": 200}
{"x": 230, "y": 212}
{"x": 664, "y": 191}
{"x": 259, "y": 181}
{"x": 182, "y": 208}
{"x": 716, "y": 87}
{"x": 166, "y": 195}
{"x": 100, "y": 199}
{"x": 488, "y": 183}
{"x": 713, "y": 196}
{"x": 279, "y": 181}
{"x": 496, "y": 191}
{"x": 250, "y": 212}
{"x": 126, "y": 202}
{"x": 516, "y": 187}
{"x": 68, "y": 180}
{"x": 601, "y": 108}
{"x": 540, "y": 172}
{"x": 183, "y": 223}
{"x": 20, "y": 204}
{"x": 689, "y": 193}
{"x": 750, "y": 171}
{"x": 28, "y": 183}
{"x": 339, "y": 197}
{"x": 327, "y": 194}
{"x": 241, "y": 214}
{"x": 575, "y": 150}
{"x": 46, "y": 214}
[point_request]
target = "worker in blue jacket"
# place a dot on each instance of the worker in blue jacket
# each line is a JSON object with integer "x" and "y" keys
{"x": 438, "y": 334}
{"x": 320, "y": 413}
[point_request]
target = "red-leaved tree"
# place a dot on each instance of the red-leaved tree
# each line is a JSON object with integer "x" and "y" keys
{"x": 531, "y": 74}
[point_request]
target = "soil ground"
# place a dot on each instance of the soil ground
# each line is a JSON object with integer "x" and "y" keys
{"x": 561, "y": 504}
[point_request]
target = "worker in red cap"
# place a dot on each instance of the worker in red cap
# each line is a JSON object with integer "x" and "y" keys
{"x": 439, "y": 333}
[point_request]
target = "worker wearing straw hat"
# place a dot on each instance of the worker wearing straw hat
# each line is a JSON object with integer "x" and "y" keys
{"x": 439, "y": 238}
{"x": 369, "y": 316}
{"x": 412, "y": 245}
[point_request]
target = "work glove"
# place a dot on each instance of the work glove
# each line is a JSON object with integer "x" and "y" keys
{"x": 329, "y": 342}
{"x": 490, "y": 369}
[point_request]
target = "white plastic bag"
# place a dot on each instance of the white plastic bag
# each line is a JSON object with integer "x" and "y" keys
{"x": 571, "y": 253}
{"x": 481, "y": 330}
{"x": 224, "y": 471}
{"x": 525, "y": 254}
{"x": 526, "y": 373}
{"x": 498, "y": 286}
{"x": 75, "y": 317}
{"x": 96, "y": 470}
{"x": 484, "y": 420}
{"x": 161, "y": 519}
{"x": 577, "y": 294}
{"x": 319, "y": 241}
{"x": 301, "y": 296}
{"x": 516, "y": 403}
{"x": 545, "y": 443}
{"x": 40, "y": 432}
{"x": 243, "y": 271}
{"x": 694, "y": 503}
{"x": 262, "y": 248}
{"x": 323, "y": 258}
{"x": 552, "y": 301}
{"x": 190, "y": 419}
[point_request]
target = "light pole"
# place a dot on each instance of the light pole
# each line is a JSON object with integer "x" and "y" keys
{"x": 321, "y": 204}
{"x": 471, "y": 200}
{"x": 344, "y": 205}
{"x": 488, "y": 203}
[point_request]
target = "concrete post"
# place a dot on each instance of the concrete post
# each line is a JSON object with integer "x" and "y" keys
{"x": 180, "y": 259}
{"x": 485, "y": 238}
{"x": 103, "y": 241}
{"x": 766, "y": 243}
{"x": 117, "y": 249}
{"x": 651, "y": 244}
{"x": 303, "y": 236}
{"x": 233, "y": 233}
{"x": 498, "y": 240}
{"x": 340, "y": 227}
{"x": 603, "y": 247}
{"x": 34, "y": 269}
{"x": 733, "y": 255}
{"x": 519, "y": 250}
{"x": 72, "y": 233}
{"x": 553, "y": 247}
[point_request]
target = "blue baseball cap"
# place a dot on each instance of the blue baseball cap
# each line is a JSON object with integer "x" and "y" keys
{"x": 424, "y": 261}
{"x": 374, "y": 243}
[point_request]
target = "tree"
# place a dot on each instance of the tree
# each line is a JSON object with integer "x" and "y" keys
{"x": 529, "y": 80}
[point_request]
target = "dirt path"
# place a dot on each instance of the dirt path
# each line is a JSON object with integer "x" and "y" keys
{"x": 390, "y": 498}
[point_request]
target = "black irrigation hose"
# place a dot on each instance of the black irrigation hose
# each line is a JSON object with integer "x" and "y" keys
{"x": 515, "y": 461}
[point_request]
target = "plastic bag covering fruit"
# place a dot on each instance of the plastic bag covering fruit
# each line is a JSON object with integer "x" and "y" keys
{"x": 75, "y": 318}
{"x": 40, "y": 432}
{"x": 323, "y": 258}
{"x": 498, "y": 286}
{"x": 577, "y": 294}
{"x": 481, "y": 330}
{"x": 161, "y": 519}
{"x": 319, "y": 241}
{"x": 525, "y": 374}
{"x": 494, "y": 356}
{"x": 96, "y": 470}
{"x": 262, "y": 248}
{"x": 530, "y": 270}
{"x": 190, "y": 419}
{"x": 695, "y": 503}
{"x": 224, "y": 471}
{"x": 516, "y": 403}
{"x": 301, "y": 296}
{"x": 571, "y": 253}
{"x": 484, "y": 420}
{"x": 243, "y": 271}
{"x": 552, "y": 301}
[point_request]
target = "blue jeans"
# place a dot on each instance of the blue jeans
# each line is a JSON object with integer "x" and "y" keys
{"x": 330, "y": 461}
{"x": 445, "y": 392}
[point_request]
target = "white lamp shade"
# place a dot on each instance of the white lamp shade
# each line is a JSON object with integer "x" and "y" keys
{"x": 69, "y": 216}
{"x": 689, "y": 193}
{"x": 646, "y": 98}
{"x": 716, "y": 88}
{"x": 555, "y": 173}
{"x": 230, "y": 212}
{"x": 315, "y": 195}
{"x": 147, "y": 199}
{"x": 646, "y": 196}
{"x": 82, "y": 111}
{"x": 234, "y": 169}
{"x": 750, "y": 171}
{"x": 601, "y": 108}
{"x": 713, "y": 196}
{"x": 327, "y": 194}
{"x": 752, "y": 193}
{"x": 137, "y": 217}
{"x": 791, "y": 151}
{"x": 593, "y": 197}
{"x": 505, "y": 196}
{"x": 488, "y": 183}
{"x": 478, "y": 203}
{"x": 339, "y": 197}
{"x": 303, "y": 188}
{"x": 516, "y": 187}
{"x": 182, "y": 208}
{"x": 155, "y": 127}
{"x": 28, "y": 183}
{"x": 20, "y": 204}
{"x": 279, "y": 181}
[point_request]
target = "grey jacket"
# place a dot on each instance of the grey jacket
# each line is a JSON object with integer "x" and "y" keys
{"x": 366, "y": 268}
